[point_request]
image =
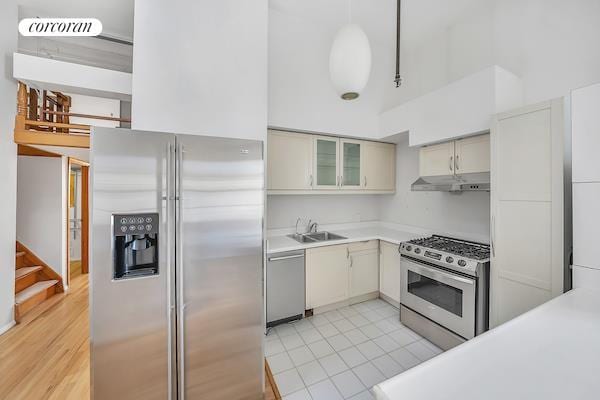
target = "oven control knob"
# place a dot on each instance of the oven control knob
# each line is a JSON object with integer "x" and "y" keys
{"x": 449, "y": 260}
{"x": 408, "y": 248}
{"x": 462, "y": 263}
{"x": 417, "y": 250}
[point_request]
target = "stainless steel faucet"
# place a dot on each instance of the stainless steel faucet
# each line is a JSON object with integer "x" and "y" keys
{"x": 310, "y": 227}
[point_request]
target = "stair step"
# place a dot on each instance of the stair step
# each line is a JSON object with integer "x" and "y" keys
{"x": 26, "y": 271}
{"x": 19, "y": 254}
{"x": 32, "y": 290}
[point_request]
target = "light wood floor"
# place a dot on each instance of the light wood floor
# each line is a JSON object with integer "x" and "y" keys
{"x": 75, "y": 269}
{"x": 47, "y": 355}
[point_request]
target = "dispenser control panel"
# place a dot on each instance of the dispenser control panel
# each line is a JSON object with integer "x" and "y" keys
{"x": 135, "y": 224}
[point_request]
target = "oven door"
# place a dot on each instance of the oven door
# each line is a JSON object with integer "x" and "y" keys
{"x": 441, "y": 296}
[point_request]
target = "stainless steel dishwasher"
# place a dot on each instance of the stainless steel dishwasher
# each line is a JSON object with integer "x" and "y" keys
{"x": 285, "y": 287}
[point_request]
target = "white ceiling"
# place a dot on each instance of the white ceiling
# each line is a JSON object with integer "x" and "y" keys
{"x": 420, "y": 18}
{"x": 116, "y": 15}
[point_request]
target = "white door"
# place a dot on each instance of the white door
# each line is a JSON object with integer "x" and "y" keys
{"x": 380, "y": 166}
{"x": 351, "y": 164}
{"x": 326, "y": 162}
{"x": 289, "y": 161}
{"x": 389, "y": 270}
{"x": 527, "y": 209}
{"x": 472, "y": 155}
{"x": 437, "y": 159}
{"x": 326, "y": 275}
{"x": 586, "y": 133}
{"x": 364, "y": 267}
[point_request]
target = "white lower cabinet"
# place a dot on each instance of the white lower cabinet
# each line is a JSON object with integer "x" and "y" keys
{"x": 326, "y": 275}
{"x": 389, "y": 270}
{"x": 342, "y": 272}
{"x": 364, "y": 268}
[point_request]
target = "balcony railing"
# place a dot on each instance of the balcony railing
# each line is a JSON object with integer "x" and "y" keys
{"x": 44, "y": 118}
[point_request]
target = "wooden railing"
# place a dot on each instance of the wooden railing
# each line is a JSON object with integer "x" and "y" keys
{"x": 45, "y": 118}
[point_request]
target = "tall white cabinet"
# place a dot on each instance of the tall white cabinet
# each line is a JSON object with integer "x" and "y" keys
{"x": 527, "y": 209}
{"x": 585, "y": 131}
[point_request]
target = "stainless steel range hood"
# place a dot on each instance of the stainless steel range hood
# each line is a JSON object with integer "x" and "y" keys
{"x": 453, "y": 183}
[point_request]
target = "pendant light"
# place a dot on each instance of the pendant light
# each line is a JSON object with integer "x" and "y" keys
{"x": 350, "y": 60}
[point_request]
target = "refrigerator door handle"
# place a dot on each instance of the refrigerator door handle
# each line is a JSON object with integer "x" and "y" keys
{"x": 170, "y": 270}
{"x": 179, "y": 272}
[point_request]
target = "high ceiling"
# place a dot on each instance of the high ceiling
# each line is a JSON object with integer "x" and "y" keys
{"x": 420, "y": 18}
{"x": 116, "y": 15}
{"x": 377, "y": 17}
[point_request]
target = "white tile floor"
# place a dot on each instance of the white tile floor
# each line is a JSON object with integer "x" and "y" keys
{"x": 343, "y": 353}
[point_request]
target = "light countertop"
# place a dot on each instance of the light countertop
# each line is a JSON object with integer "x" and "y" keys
{"x": 280, "y": 242}
{"x": 551, "y": 352}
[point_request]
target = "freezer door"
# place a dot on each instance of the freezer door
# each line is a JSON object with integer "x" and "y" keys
{"x": 219, "y": 268}
{"x": 131, "y": 323}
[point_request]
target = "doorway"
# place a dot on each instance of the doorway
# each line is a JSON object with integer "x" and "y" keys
{"x": 77, "y": 219}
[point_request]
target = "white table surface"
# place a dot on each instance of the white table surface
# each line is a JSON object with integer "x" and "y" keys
{"x": 551, "y": 352}
{"x": 276, "y": 244}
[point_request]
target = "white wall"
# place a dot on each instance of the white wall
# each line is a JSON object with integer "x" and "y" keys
{"x": 466, "y": 214}
{"x": 42, "y": 208}
{"x": 301, "y": 96}
{"x": 71, "y": 77}
{"x": 8, "y": 165}
{"x": 282, "y": 211}
{"x": 95, "y": 106}
{"x": 552, "y": 45}
{"x": 201, "y": 67}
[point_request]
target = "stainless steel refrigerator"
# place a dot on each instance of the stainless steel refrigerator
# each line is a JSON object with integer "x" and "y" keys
{"x": 176, "y": 266}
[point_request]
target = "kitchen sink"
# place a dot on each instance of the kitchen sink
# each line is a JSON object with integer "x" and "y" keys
{"x": 315, "y": 237}
{"x": 301, "y": 238}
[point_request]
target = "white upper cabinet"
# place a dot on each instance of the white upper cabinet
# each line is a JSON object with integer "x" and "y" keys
{"x": 289, "y": 161}
{"x": 351, "y": 163}
{"x": 326, "y": 159}
{"x": 472, "y": 155}
{"x": 379, "y": 166}
{"x": 463, "y": 156}
{"x": 585, "y": 117}
{"x": 437, "y": 159}
{"x": 299, "y": 163}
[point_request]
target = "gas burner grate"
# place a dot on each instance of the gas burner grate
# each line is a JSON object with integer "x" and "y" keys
{"x": 454, "y": 246}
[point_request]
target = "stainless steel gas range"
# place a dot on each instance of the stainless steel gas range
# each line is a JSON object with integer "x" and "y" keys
{"x": 444, "y": 292}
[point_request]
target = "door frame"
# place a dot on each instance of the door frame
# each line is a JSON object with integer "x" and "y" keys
{"x": 85, "y": 216}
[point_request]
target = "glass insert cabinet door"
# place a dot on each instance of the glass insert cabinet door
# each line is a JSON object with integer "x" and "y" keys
{"x": 326, "y": 160}
{"x": 351, "y": 164}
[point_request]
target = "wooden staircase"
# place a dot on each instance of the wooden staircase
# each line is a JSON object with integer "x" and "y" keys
{"x": 35, "y": 281}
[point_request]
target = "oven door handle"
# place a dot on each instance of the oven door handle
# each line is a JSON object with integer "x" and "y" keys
{"x": 430, "y": 273}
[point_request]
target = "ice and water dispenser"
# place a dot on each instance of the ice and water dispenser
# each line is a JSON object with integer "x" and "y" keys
{"x": 135, "y": 244}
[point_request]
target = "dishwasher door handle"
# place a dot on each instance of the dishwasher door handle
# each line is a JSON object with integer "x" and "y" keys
{"x": 285, "y": 257}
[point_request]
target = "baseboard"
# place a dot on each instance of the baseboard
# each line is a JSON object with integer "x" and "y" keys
{"x": 6, "y": 327}
{"x": 389, "y": 300}
{"x": 345, "y": 303}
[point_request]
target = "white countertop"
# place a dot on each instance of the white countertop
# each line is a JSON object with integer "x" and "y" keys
{"x": 551, "y": 352}
{"x": 279, "y": 242}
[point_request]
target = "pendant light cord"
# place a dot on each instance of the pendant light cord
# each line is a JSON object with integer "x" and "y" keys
{"x": 398, "y": 78}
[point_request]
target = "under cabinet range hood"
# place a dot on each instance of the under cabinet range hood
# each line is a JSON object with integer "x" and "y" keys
{"x": 453, "y": 183}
